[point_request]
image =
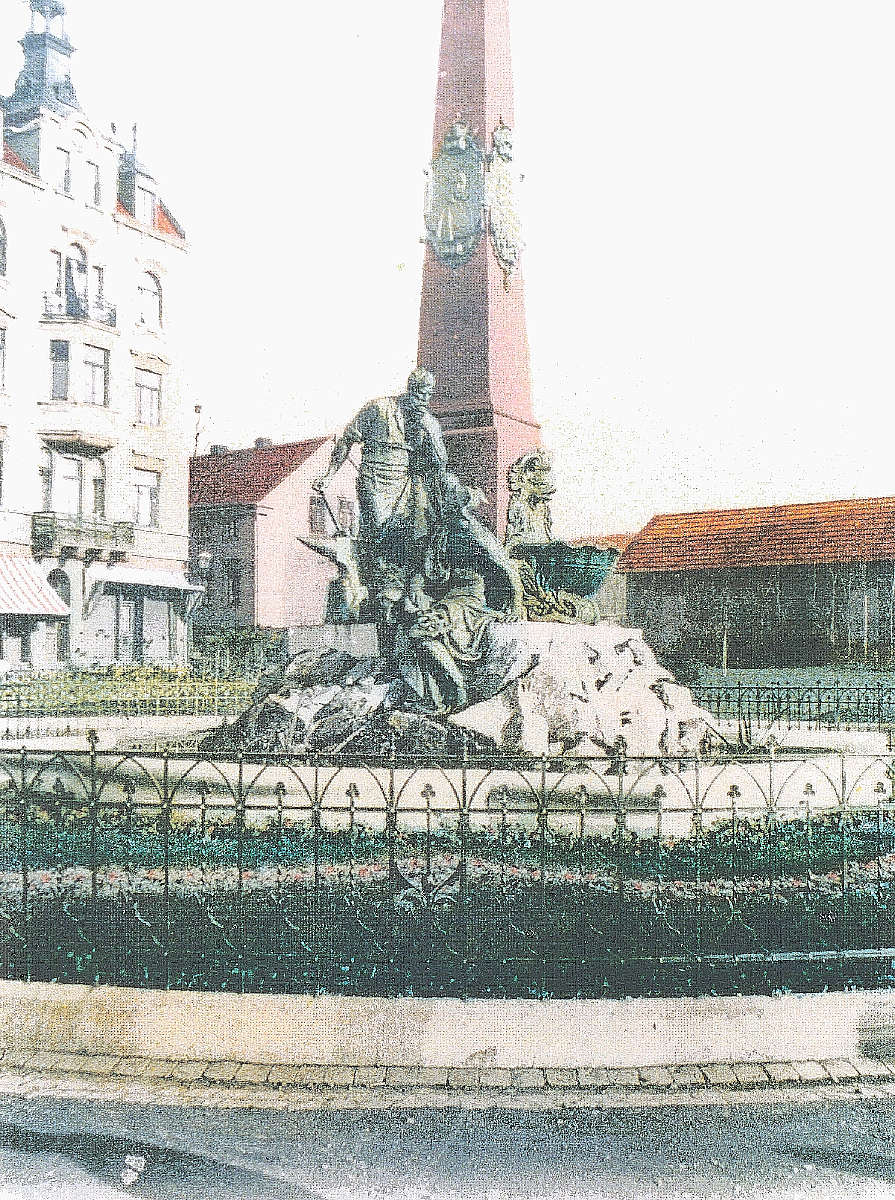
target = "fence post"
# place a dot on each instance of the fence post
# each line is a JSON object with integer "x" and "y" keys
{"x": 542, "y": 881}
{"x": 23, "y": 849}
{"x": 240, "y": 863}
{"x": 464, "y": 841}
{"x": 166, "y": 882}
{"x": 93, "y": 740}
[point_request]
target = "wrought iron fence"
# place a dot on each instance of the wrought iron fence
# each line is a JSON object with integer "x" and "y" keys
{"x": 816, "y": 706}
{"x": 139, "y": 694}
{"x": 465, "y": 877}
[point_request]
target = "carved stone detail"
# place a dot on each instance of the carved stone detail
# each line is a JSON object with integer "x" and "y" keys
{"x": 531, "y": 487}
{"x": 500, "y": 194}
{"x": 455, "y": 197}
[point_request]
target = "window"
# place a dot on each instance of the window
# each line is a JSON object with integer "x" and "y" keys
{"x": 2, "y": 248}
{"x": 145, "y": 204}
{"x": 1, "y": 471}
{"x": 63, "y": 170}
{"x": 96, "y": 375}
{"x": 20, "y": 629}
{"x": 2, "y": 360}
{"x": 68, "y": 486}
{"x": 99, "y": 490}
{"x": 146, "y": 489}
{"x": 98, "y": 282}
{"x": 59, "y": 363}
{"x": 348, "y": 516}
{"x": 94, "y": 185}
{"x": 46, "y": 479}
{"x": 232, "y": 583}
{"x": 318, "y": 515}
{"x": 150, "y": 300}
{"x": 148, "y": 408}
{"x": 59, "y": 581}
{"x": 25, "y": 641}
{"x": 76, "y": 282}
{"x": 56, "y": 272}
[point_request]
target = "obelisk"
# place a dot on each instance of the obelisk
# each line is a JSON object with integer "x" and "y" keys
{"x": 472, "y": 316}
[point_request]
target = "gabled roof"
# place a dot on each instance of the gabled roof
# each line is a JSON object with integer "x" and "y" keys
{"x": 13, "y": 160}
{"x": 834, "y": 531}
{"x": 245, "y": 476}
{"x": 163, "y": 223}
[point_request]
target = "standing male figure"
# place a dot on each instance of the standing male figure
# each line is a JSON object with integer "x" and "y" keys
{"x": 400, "y": 484}
{"x": 416, "y": 518}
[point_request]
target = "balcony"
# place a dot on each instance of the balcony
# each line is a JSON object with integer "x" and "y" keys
{"x": 62, "y": 535}
{"x": 78, "y": 308}
{"x": 71, "y": 427}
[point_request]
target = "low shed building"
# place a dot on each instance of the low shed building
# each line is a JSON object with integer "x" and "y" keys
{"x": 791, "y": 585}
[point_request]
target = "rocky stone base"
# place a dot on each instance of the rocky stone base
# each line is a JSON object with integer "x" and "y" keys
{"x": 535, "y": 689}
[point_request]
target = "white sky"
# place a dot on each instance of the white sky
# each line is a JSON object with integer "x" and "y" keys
{"x": 709, "y": 202}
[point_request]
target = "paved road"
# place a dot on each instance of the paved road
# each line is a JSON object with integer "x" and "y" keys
{"x": 59, "y": 1149}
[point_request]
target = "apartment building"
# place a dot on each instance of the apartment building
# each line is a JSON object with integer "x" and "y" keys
{"x": 93, "y": 444}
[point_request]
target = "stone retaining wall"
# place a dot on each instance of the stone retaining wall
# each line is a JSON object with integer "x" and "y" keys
{"x": 442, "y": 1033}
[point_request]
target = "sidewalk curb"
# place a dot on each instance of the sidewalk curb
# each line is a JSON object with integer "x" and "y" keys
{"x": 253, "y": 1085}
{"x": 443, "y": 1033}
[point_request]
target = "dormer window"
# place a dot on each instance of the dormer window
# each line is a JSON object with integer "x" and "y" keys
{"x": 145, "y": 206}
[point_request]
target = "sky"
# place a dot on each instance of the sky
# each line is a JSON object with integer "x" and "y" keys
{"x": 709, "y": 204}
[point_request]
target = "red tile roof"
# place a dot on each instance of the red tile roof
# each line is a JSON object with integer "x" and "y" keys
{"x": 13, "y": 160}
{"x": 835, "y": 531}
{"x": 245, "y": 476}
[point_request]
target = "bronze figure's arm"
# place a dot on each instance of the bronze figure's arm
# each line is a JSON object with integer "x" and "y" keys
{"x": 341, "y": 450}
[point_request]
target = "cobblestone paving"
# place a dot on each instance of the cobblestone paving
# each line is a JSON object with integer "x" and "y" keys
{"x": 243, "y": 1084}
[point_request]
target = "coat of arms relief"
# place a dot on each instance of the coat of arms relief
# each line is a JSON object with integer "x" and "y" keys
{"x": 470, "y": 189}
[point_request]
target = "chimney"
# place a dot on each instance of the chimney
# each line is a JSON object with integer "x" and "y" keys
{"x": 263, "y": 443}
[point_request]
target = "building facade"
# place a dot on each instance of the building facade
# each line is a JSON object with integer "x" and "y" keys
{"x": 795, "y": 585}
{"x": 93, "y": 491}
{"x": 248, "y": 510}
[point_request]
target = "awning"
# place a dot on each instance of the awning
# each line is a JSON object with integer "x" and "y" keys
{"x": 143, "y": 577}
{"x": 169, "y": 581}
{"x": 24, "y": 590}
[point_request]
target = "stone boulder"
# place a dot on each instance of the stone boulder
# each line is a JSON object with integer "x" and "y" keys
{"x": 541, "y": 689}
{"x": 593, "y": 689}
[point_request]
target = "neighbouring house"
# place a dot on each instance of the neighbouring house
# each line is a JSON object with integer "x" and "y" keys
{"x": 790, "y": 585}
{"x": 93, "y": 459}
{"x": 247, "y": 511}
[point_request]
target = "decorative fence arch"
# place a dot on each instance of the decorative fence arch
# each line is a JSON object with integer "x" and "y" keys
{"x": 467, "y": 876}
